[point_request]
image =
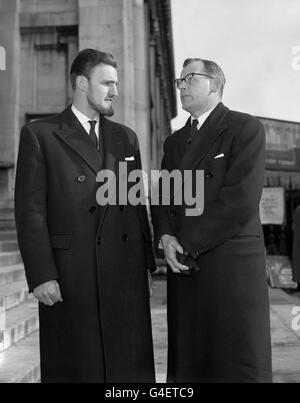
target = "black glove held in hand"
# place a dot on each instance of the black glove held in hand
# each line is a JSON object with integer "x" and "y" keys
{"x": 188, "y": 261}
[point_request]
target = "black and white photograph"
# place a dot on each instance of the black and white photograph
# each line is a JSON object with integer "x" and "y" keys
{"x": 150, "y": 194}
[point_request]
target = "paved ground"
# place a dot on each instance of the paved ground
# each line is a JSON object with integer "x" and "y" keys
{"x": 285, "y": 340}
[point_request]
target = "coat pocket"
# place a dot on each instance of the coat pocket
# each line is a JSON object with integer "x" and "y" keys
{"x": 60, "y": 241}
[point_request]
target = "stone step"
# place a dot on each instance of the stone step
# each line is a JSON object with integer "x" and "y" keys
{"x": 7, "y": 204}
{"x": 21, "y": 362}
{"x": 7, "y": 224}
{"x": 8, "y": 236}
{"x": 7, "y": 219}
{"x": 12, "y": 295}
{"x": 10, "y": 258}
{"x": 7, "y": 211}
{"x": 8, "y": 246}
{"x": 11, "y": 274}
{"x": 18, "y": 323}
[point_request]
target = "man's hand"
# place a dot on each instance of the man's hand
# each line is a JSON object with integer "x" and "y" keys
{"x": 48, "y": 293}
{"x": 171, "y": 245}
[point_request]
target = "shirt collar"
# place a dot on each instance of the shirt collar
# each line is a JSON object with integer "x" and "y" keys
{"x": 202, "y": 118}
{"x": 83, "y": 119}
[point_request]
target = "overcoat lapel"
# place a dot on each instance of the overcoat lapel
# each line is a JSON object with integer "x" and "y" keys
{"x": 114, "y": 149}
{"x": 210, "y": 131}
{"x": 212, "y": 128}
{"x": 114, "y": 146}
{"x": 74, "y": 135}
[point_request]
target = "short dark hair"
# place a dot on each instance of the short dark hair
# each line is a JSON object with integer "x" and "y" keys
{"x": 211, "y": 68}
{"x": 86, "y": 60}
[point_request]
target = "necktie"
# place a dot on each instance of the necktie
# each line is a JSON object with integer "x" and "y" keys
{"x": 193, "y": 130}
{"x": 92, "y": 133}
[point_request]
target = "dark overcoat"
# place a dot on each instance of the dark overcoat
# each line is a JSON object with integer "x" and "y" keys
{"x": 218, "y": 318}
{"x": 99, "y": 254}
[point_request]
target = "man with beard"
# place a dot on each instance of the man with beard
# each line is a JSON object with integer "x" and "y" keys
{"x": 87, "y": 263}
{"x": 218, "y": 308}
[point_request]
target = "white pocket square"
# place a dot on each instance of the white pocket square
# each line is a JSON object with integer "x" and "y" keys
{"x": 219, "y": 156}
{"x": 129, "y": 159}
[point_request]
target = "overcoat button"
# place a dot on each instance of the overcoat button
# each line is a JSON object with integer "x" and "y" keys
{"x": 173, "y": 213}
{"x": 81, "y": 178}
{"x": 122, "y": 208}
{"x": 125, "y": 237}
{"x": 209, "y": 175}
{"x": 93, "y": 209}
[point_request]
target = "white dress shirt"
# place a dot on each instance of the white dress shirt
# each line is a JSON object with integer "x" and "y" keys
{"x": 84, "y": 120}
{"x": 202, "y": 118}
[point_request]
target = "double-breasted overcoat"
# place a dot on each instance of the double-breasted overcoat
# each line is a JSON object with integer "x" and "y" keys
{"x": 100, "y": 255}
{"x": 218, "y": 317}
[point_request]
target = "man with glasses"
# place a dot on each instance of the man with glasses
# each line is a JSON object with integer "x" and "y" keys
{"x": 86, "y": 263}
{"x": 218, "y": 308}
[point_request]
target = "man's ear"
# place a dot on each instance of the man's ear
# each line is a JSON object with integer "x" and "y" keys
{"x": 82, "y": 83}
{"x": 214, "y": 85}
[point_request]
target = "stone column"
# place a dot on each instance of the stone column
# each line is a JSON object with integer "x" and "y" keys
{"x": 118, "y": 27}
{"x": 101, "y": 27}
{"x": 9, "y": 95}
{"x": 141, "y": 80}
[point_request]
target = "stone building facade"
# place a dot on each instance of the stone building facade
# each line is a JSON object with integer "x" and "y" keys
{"x": 40, "y": 38}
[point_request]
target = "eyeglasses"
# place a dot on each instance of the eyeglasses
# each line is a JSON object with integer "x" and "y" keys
{"x": 188, "y": 79}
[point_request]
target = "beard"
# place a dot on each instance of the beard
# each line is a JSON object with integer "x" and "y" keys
{"x": 108, "y": 111}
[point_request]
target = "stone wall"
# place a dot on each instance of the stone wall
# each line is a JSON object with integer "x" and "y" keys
{"x": 9, "y": 95}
